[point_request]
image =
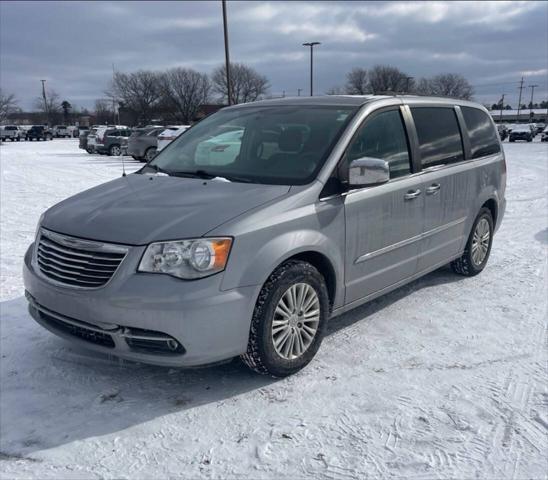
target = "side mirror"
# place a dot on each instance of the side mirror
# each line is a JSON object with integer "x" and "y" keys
{"x": 367, "y": 172}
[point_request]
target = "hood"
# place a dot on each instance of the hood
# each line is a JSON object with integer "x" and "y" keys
{"x": 139, "y": 209}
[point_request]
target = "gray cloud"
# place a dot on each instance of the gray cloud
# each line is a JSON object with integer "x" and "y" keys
{"x": 74, "y": 44}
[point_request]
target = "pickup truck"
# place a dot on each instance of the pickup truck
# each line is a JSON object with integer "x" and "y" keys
{"x": 11, "y": 132}
{"x": 39, "y": 132}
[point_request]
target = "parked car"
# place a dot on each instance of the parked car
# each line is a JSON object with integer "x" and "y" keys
{"x": 97, "y": 132}
{"x": 11, "y": 132}
{"x": 143, "y": 142}
{"x": 503, "y": 132}
{"x": 83, "y": 140}
{"x": 109, "y": 141}
{"x": 329, "y": 202}
{"x": 170, "y": 134}
{"x": 521, "y": 132}
{"x": 544, "y": 135}
{"x": 60, "y": 131}
{"x": 540, "y": 127}
{"x": 39, "y": 132}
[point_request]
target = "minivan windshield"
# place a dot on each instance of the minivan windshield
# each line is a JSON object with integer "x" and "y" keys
{"x": 284, "y": 145}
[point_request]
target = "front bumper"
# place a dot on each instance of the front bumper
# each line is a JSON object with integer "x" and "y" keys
{"x": 211, "y": 325}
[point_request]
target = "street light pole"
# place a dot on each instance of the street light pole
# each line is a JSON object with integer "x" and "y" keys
{"x": 407, "y": 82}
{"x": 501, "y": 107}
{"x": 227, "y": 57}
{"x": 532, "y": 87}
{"x": 46, "y": 109}
{"x": 311, "y": 45}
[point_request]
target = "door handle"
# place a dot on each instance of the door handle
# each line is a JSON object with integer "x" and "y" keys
{"x": 433, "y": 189}
{"x": 412, "y": 194}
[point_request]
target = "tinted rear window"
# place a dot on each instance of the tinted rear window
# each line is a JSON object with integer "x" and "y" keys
{"x": 483, "y": 139}
{"x": 439, "y": 135}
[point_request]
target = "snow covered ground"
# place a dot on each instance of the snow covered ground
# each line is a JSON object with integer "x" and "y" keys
{"x": 444, "y": 378}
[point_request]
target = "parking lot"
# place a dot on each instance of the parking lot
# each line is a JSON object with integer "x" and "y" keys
{"x": 445, "y": 377}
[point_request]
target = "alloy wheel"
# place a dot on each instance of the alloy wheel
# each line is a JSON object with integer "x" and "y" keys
{"x": 296, "y": 320}
{"x": 480, "y": 241}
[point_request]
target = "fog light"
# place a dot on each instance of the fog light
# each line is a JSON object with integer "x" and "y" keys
{"x": 172, "y": 344}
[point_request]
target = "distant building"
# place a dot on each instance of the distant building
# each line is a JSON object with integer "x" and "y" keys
{"x": 511, "y": 116}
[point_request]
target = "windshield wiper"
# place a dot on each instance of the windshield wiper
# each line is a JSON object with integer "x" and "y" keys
{"x": 211, "y": 175}
{"x": 156, "y": 168}
{"x": 194, "y": 174}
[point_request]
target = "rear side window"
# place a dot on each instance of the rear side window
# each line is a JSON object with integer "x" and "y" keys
{"x": 439, "y": 135}
{"x": 383, "y": 136}
{"x": 483, "y": 139}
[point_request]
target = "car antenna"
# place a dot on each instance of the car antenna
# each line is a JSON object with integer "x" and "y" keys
{"x": 123, "y": 167}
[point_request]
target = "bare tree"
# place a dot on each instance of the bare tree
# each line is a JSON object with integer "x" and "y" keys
{"x": 138, "y": 91}
{"x": 183, "y": 91}
{"x": 8, "y": 105}
{"x": 384, "y": 78}
{"x": 247, "y": 84}
{"x": 103, "y": 111}
{"x": 446, "y": 85}
{"x": 50, "y": 108}
{"x": 357, "y": 82}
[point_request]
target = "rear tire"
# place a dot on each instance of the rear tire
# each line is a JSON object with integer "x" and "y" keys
{"x": 115, "y": 151}
{"x": 89, "y": 150}
{"x": 293, "y": 306}
{"x": 478, "y": 247}
{"x": 150, "y": 154}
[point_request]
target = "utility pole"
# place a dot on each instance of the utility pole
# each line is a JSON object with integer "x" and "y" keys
{"x": 114, "y": 100}
{"x": 311, "y": 45}
{"x": 227, "y": 56}
{"x": 46, "y": 109}
{"x": 519, "y": 101}
{"x": 501, "y": 107}
{"x": 532, "y": 87}
{"x": 407, "y": 80}
{"x": 299, "y": 92}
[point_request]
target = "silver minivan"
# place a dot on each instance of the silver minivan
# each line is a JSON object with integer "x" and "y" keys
{"x": 244, "y": 236}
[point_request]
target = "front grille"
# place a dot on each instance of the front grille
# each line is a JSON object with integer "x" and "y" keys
{"x": 70, "y": 326}
{"x": 139, "y": 340}
{"x": 92, "y": 336}
{"x": 75, "y": 262}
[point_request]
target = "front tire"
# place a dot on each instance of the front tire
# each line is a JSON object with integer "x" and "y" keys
{"x": 478, "y": 247}
{"x": 289, "y": 320}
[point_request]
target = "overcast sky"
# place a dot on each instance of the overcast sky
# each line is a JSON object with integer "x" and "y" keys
{"x": 73, "y": 45}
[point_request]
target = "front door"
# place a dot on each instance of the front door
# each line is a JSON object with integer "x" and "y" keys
{"x": 383, "y": 223}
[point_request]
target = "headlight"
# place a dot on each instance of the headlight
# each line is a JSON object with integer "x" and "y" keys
{"x": 187, "y": 259}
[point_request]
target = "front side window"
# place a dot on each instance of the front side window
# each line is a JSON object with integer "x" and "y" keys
{"x": 284, "y": 145}
{"x": 439, "y": 135}
{"x": 483, "y": 139}
{"x": 382, "y": 136}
